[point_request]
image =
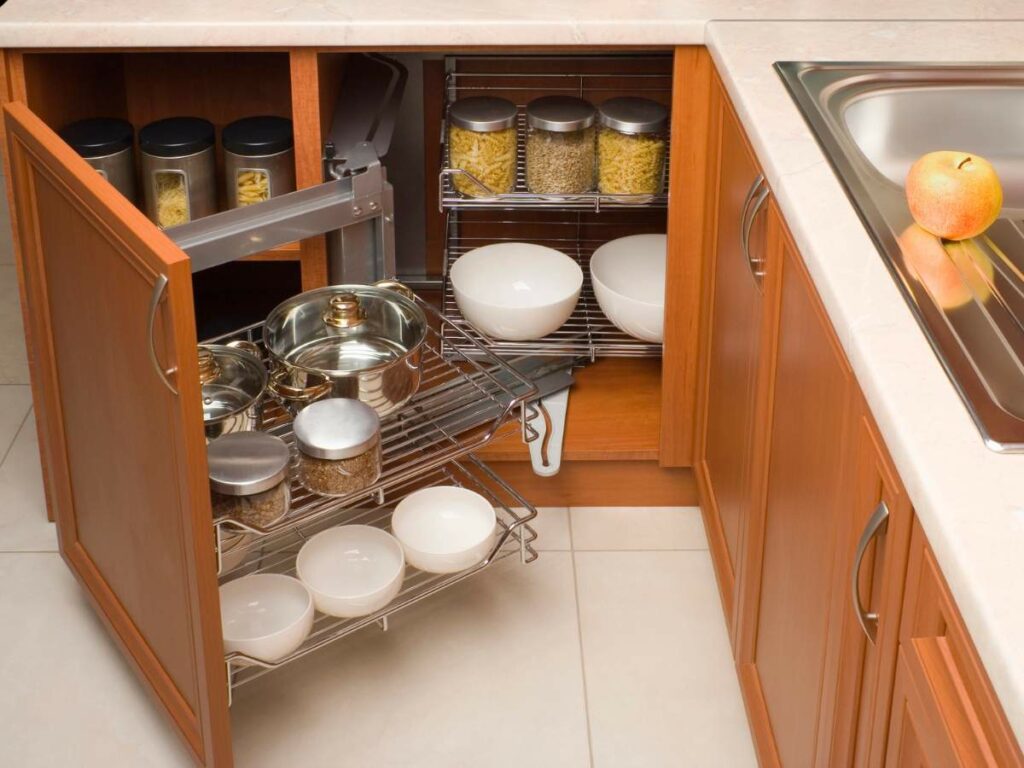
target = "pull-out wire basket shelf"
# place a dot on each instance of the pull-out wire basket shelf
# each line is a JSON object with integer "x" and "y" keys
{"x": 277, "y": 553}
{"x": 463, "y": 402}
{"x": 587, "y": 334}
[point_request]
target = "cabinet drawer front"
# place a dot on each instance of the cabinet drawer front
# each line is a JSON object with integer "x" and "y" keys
{"x": 112, "y": 340}
{"x": 947, "y": 672}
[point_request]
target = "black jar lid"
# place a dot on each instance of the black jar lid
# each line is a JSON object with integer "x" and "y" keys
{"x": 98, "y": 136}
{"x": 176, "y": 136}
{"x": 257, "y": 136}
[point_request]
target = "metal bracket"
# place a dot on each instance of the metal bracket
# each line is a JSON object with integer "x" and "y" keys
{"x": 549, "y": 422}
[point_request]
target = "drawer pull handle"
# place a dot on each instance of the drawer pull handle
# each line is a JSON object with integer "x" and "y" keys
{"x": 154, "y": 307}
{"x": 877, "y": 524}
{"x": 756, "y": 265}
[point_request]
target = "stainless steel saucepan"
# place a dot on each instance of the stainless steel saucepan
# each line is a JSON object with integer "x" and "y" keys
{"x": 359, "y": 341}
{"x": 233, "y": 380}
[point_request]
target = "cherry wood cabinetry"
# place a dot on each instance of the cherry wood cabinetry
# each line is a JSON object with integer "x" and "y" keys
{"x": 944, "y": 711}
{"x": 785, "y": 636}
{"x": 113, "y": 341}
{"x": 737, "y": 313}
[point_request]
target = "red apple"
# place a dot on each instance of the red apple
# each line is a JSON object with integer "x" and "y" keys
{"x": 955, "y": 195}
{"x": 953, "y": 272}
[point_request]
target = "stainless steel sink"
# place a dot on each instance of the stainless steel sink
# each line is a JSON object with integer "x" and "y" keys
{"x": 873, "y": 121}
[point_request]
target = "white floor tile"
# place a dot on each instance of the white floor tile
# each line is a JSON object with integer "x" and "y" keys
{"x": 621, "y": 528}
{"x": 552, "y": 527}
{"x": 69, "y": 698}
{"x": 661, "y": 685}
{"x": 485, "y": 674}
{"x": 15, "y": 402}
{"x": 13, "y": 360}
{"x": 23, "y": 523}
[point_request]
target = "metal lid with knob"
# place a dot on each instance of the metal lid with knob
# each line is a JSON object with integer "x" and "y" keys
{"x": 344, "y": 311}
{"x": 232, "y": 378}
{"x": 245, "y": 463}
{"x": 337, "y": 428}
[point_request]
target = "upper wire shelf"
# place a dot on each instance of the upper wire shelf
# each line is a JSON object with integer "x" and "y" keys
{"x": 464, "y": 399}
{"x": 520, "y": 87}
{"x": 588, "y": 333}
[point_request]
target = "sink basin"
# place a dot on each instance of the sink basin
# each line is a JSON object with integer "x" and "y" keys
{"x": 873, "y": 121}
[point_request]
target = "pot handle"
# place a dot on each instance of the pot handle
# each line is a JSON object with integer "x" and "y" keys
{"x": 399, "y": 288}
{"x": 286, "y": 391}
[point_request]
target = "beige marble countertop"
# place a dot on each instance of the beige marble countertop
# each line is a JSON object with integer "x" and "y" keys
{"x": 969, "y": 499}
{"x": 385, "y": 23}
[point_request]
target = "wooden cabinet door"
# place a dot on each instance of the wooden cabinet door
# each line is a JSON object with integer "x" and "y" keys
{"x": 783, "y": 651}
{"x": 943, "y": 706}
{"x": 732, "y": 345}
{"x": 880, "y": 516}
{"x": 121, "y": 423}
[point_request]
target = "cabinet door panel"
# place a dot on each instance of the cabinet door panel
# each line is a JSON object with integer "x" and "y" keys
{"x": 801, "y": 516}
{"x": 125, "y": 454}
{"x": 732, "y": 354}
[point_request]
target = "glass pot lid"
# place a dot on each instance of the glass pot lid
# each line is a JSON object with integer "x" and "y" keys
{"x": 343, "y": 330}
{"x": 232, "y": 379}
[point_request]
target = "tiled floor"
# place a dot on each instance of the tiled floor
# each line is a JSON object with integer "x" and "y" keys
{"x": 610, "y": 651}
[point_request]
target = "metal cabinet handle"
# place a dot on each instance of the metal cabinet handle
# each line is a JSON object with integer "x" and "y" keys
{"x": 758, "y": 181}
{"x": 154, "y": 307}
{"x": 877, "y": 523}
{"x": 755, "y": 264}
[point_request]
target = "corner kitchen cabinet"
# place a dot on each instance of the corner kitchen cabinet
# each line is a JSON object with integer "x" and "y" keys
{"x": 737, "y": 332}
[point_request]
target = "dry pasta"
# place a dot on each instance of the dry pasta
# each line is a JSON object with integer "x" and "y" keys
{"x": 252, "y": 187}
{"x": 629, "y": 164}
{"x": 489, "y": 156}
{"x": 171, "y": 199}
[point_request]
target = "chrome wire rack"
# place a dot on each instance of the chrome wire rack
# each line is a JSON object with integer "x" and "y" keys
{"x": 520, "y": 87}
{"x": 277, "y": 553}
{"x": 464, "y": 400}
{"x": 587, "y": 333}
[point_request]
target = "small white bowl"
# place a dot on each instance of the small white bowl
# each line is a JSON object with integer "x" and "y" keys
{"x": 444, "y": 529}
{"x": 234, "y": 550}
{"x": 265, "y": 615}
{"x": 516, "y": 291}
{"x": 352, "y": 570}
{"x": 628, "y": 275}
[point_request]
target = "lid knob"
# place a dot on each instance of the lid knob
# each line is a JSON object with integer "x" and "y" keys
{"x": 344, "y": 311}
{"x": 209, "y": 368}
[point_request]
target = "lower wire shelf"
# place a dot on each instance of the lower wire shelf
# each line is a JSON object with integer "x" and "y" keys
{"x": 276, "y": 553}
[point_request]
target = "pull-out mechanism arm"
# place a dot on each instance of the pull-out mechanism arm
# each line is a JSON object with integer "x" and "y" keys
{"x": 354, "y": 206}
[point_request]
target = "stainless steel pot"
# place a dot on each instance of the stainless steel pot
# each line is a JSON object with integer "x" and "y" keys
{"x": 233, "y": 380}
{"x": 358, "y": 341}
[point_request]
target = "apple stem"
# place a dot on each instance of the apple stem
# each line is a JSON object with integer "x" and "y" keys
{"x": 964, "y": 162}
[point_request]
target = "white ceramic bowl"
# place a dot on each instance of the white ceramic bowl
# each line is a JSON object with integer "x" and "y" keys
{"x": 352, "y": 570}
{"x": 516, "y": 291}
{"x": 444, "y": 529}
{"x": 234, "y": 550}
{"x": 265, "y": 615}
{"x": 628, "y": 275}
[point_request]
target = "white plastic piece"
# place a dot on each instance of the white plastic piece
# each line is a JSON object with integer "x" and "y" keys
{"x": 546, "y": 450}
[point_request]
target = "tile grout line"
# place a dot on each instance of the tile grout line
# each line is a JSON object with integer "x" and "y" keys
{"x": 17, "y": 432}
{"x": 579, "y": 634}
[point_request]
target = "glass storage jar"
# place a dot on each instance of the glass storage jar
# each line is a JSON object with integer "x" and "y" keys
{"x": 259, "y": 159}
{"x": 482, "y": 142}
{"x": 249, "y": 477}
{"x": 559, "y": 145}
{"x": 631, "y": 146}
{"x": 106, "y": 144}
{"x": 339, "y": 446}
{"x": 178, "y": 170}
